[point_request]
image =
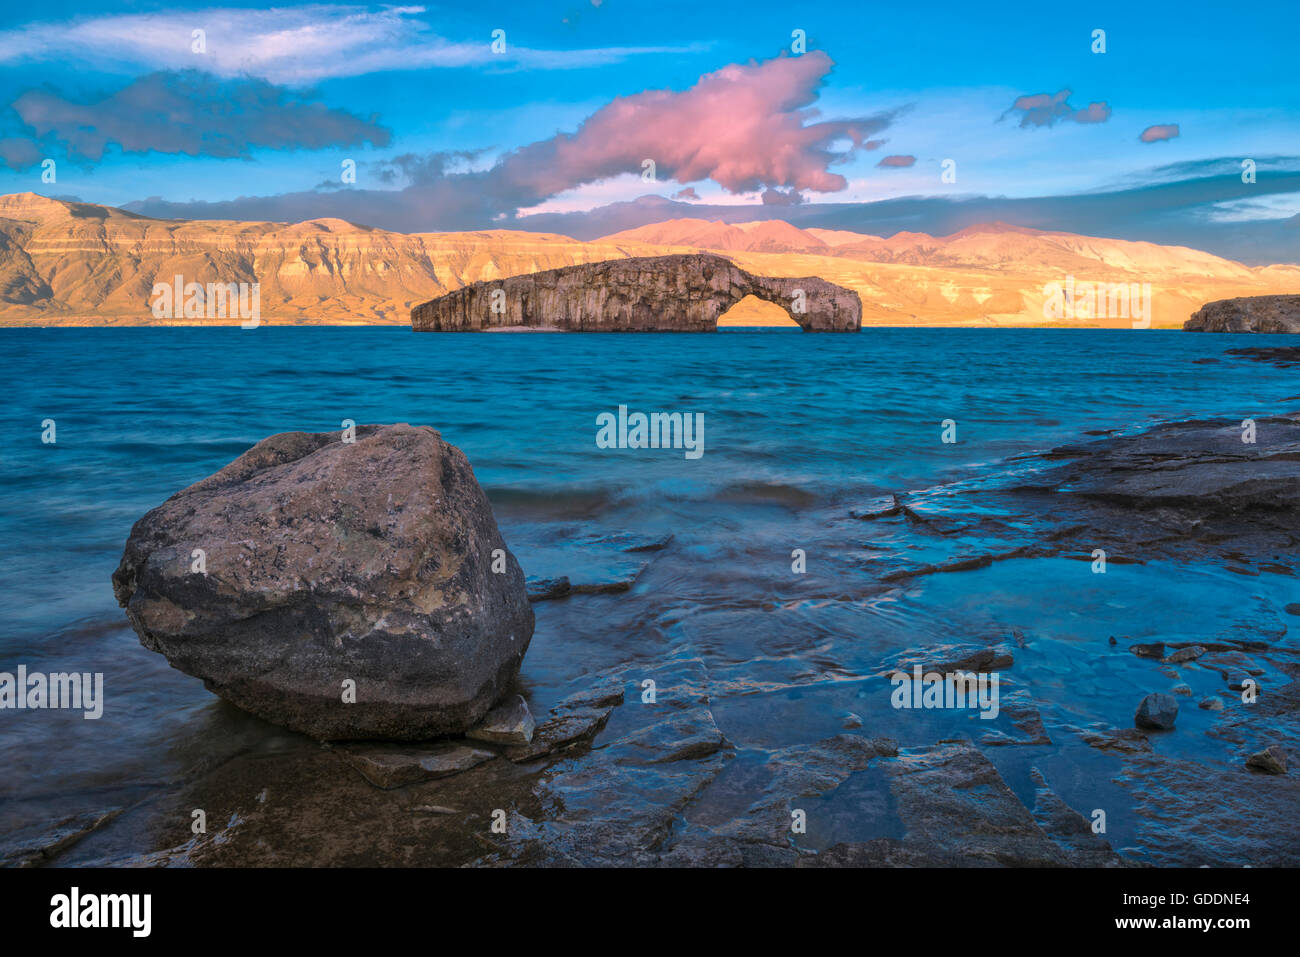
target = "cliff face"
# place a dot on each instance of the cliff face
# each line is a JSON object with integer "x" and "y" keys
{"x": 684, "y": 293}
{"x": 1249, "y": 314}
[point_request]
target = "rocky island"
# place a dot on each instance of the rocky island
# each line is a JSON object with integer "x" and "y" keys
{"x": 684, "y": 293}
{"x": 1247, "y": 314}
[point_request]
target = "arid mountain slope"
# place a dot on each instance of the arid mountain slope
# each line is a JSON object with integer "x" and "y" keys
{"x": 80, "y": 264}
{"x": 992, "y": 274}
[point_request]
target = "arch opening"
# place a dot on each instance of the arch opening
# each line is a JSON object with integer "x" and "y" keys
{"x": 752, "y": 311}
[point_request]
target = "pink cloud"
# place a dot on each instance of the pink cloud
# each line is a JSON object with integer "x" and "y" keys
{"x": 746, "y": 127}
{"x": 1045, "y": 109}
{"x": 1159, "y": 132}
{"x": 897, "y": 162}
{"x": 688, "y": 193}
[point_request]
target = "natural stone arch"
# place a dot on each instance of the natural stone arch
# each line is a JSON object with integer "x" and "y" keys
{"x": 686, "y": 293}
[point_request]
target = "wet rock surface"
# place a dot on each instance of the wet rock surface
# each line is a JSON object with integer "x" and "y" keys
{"x": 748, "y": 723}
{"x": 326, "y": 562}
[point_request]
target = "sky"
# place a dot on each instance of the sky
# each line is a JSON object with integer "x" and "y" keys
{"x": 1169, "y": 122}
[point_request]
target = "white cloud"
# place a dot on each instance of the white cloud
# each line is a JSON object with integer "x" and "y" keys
{"x": 1282, "y": 206}
{"x": 290, "y": 45}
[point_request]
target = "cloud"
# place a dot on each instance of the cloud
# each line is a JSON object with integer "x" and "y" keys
{"x": 1046, "y": 109}
{"x": 897, "y": 162}
{"x": 17, "y": 152}
{"x": 288, "y": 45}
{"x": 194, "y": 114}
{"x": 1159, "y": 133}
{"x": 776, "y": 197}
{"x": 1186, "y": 212}
{"x": 688, "y": 193}
{"x": 748, "y": 127}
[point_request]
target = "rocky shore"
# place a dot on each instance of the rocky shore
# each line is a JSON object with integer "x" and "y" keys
{"x": 676, "y": 759}
{"x": 1248, "y": 314}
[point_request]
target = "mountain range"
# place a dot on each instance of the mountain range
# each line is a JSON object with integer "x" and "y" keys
{"x": 70, "y": 263}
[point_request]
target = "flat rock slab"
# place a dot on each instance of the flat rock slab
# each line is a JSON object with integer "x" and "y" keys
{"x": 1194, "y": 465}
{"x": 958, "y": 809}
{"x": 394, "y": 767}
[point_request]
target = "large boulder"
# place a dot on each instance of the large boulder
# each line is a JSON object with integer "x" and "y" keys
{"x": 328, "y": 562}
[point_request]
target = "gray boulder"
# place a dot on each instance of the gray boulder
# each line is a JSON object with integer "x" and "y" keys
{"x": 329, "y": 566}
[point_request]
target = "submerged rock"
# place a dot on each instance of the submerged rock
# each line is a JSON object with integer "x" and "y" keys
{"x": 341, "y": 589}
{"x": 549, "y": 589}
{"x": 390, "y": 767}
{"x": 1153, "y": 650}
{"x": 38, "y": 845}
{"x": 1157, "y": 711}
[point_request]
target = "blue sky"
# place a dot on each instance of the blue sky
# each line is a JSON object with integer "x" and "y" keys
{"x": 448, "y": 133}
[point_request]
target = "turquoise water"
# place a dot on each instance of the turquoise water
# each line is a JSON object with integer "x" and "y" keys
{"x": 798, "y": 430}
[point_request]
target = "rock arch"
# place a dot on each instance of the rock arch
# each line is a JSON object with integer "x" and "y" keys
{"x": 685, "y": 293}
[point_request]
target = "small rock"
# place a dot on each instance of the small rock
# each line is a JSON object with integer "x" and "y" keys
{"x": 1241, "y": 682}
{"x": 985, "y": 660}
{"x": 622, "y": 580}
{"x": 1120, "y": 740}
{"x": 852, "y": 720}
{"x": 1155, "y": 649}
{"x": 1190, "y": 653}
{"x": 508, "y": 723}
{"x": 548, "y": 589}
{"x": 1112, "y": 640}
{"x": 1157, "y": 711}
{"x": 1182, "y": 689}
{"x": 1211, "y": 704}
{"x": 1272, "y": 760}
